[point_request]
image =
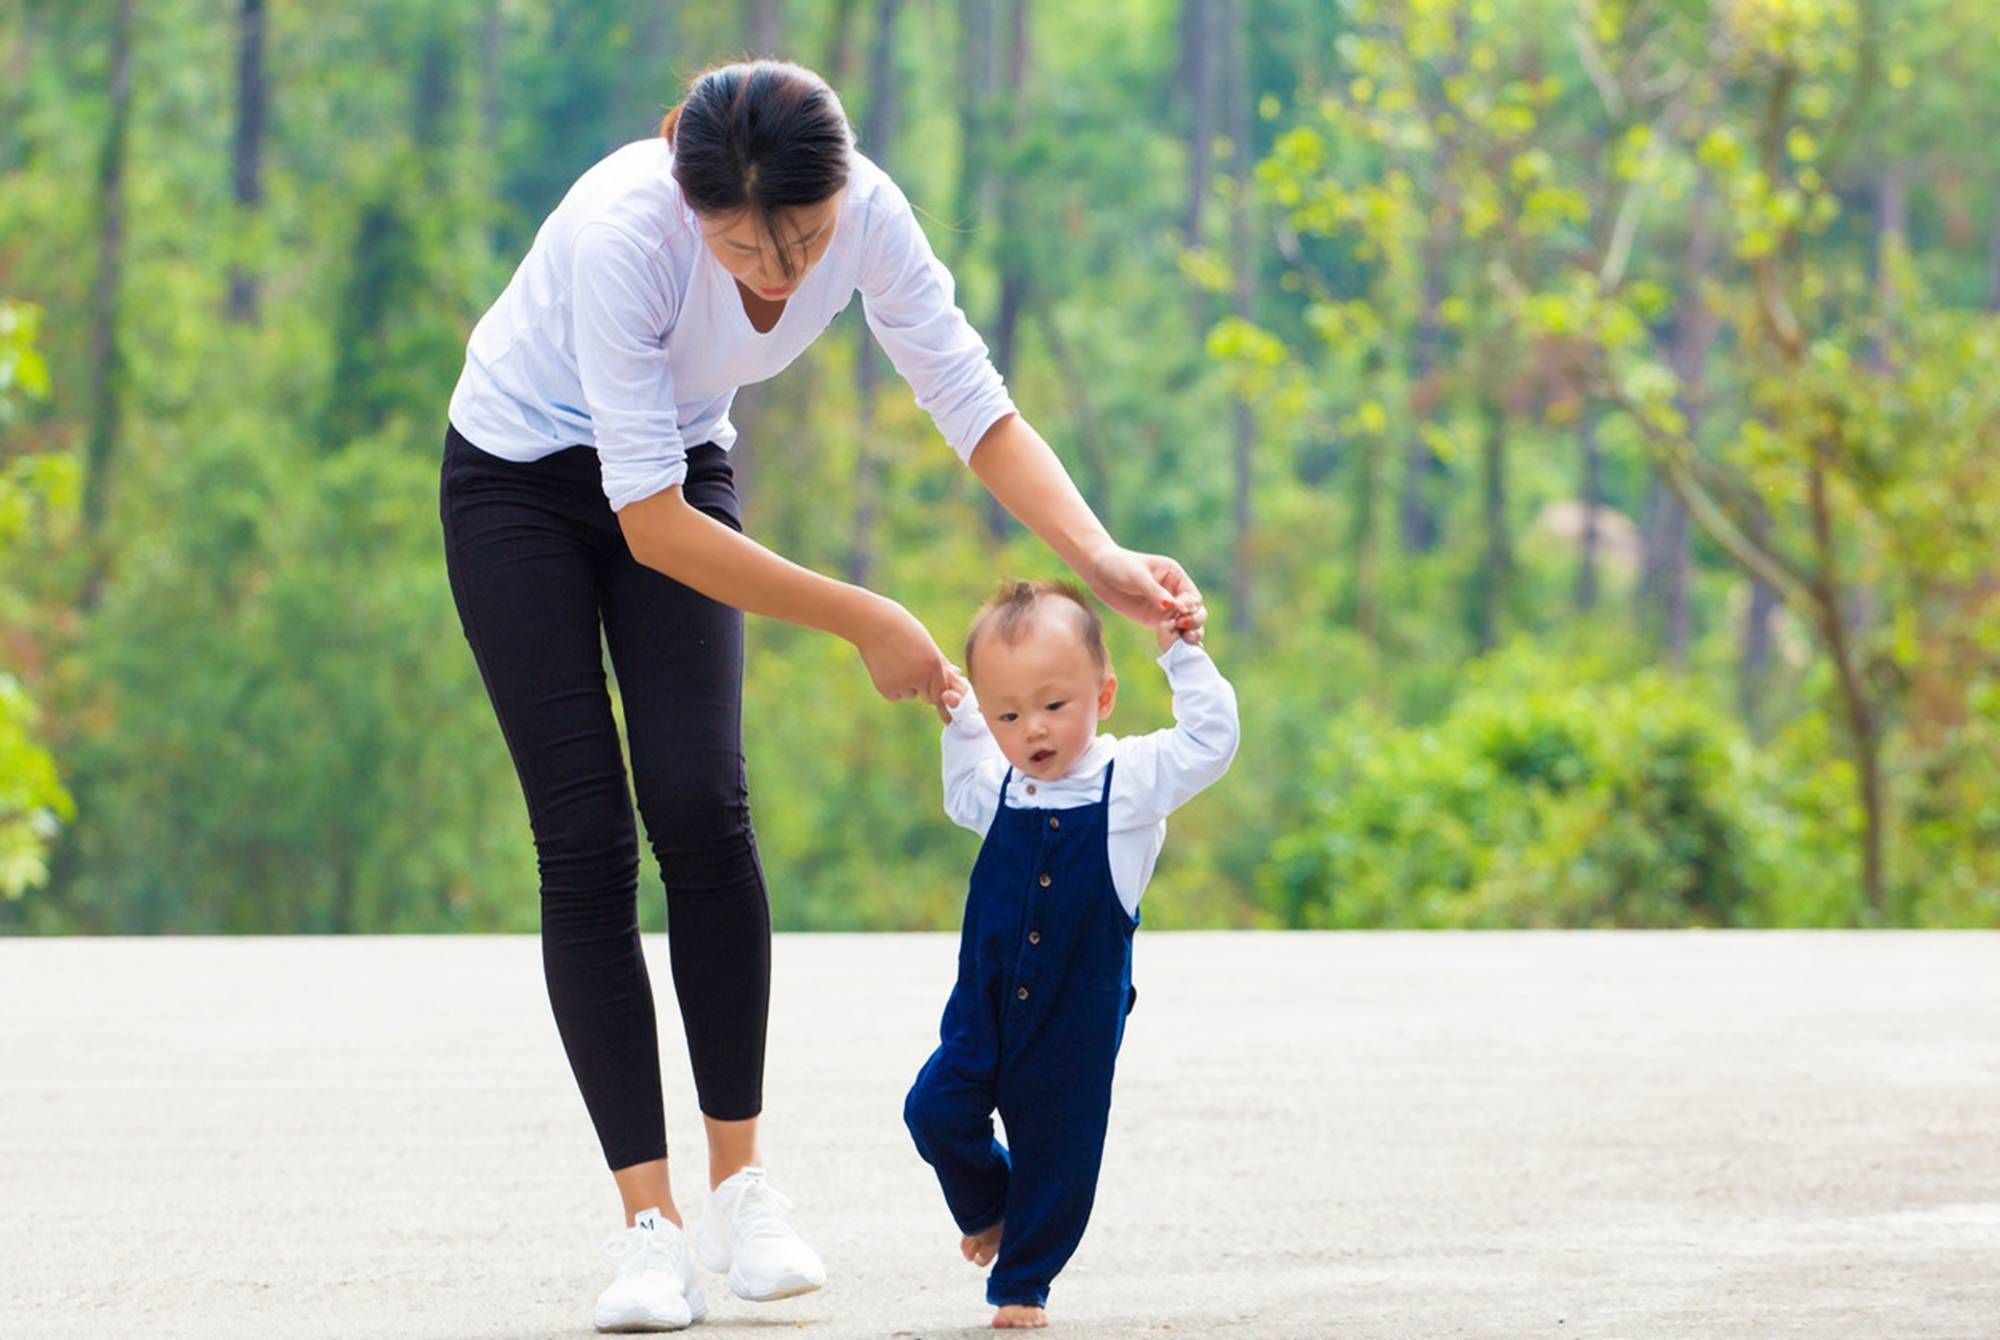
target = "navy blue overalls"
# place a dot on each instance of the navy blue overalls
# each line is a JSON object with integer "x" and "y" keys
{"x": 1032, "y": 1029}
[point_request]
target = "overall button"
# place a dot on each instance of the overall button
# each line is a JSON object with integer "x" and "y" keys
{"x": 1054, "y": 822}
{"x": 1021, "y": 993}
{"x": 1046, "y": 881}
{"x": 1034, "y": 937}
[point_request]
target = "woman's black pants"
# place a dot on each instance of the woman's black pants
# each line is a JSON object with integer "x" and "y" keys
{"x": 538, "y": 566}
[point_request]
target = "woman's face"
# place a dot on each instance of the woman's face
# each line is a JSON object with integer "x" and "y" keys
{"x": 746, "y": 251}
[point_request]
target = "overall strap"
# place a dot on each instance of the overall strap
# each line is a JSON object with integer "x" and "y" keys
{"x": 1006, "y": 782}
{"x": 1105, "y": 794}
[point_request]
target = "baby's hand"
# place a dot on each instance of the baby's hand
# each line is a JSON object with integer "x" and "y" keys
{"x": 954, "y": 691}
{"x": 1181, "y": 622}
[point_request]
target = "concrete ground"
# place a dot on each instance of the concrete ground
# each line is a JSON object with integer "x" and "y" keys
{"x": 1566, "y": 1135}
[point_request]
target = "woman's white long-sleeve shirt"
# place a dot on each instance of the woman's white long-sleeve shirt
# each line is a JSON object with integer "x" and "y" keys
{"x": 1156, "y": 773}
{"x": 620, "y": 330}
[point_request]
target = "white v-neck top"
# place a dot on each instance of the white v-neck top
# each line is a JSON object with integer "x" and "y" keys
{"x": 620, "y": 330}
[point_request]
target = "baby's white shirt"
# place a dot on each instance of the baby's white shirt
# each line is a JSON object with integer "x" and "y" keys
{"x": 1157, "y": 773}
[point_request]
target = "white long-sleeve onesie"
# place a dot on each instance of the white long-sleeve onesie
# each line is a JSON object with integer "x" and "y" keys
{"x": 1156, "y": 773}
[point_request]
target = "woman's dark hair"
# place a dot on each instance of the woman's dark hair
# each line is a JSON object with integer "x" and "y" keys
{"x": 766, "y": 136}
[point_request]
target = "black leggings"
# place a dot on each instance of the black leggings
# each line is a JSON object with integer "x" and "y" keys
{"x": 537, "y": 564}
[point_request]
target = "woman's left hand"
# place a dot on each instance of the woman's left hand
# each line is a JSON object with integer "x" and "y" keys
{"x": 1147, "y": 588}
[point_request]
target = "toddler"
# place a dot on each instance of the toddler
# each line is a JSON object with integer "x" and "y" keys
{"x": 1073, "y": 823}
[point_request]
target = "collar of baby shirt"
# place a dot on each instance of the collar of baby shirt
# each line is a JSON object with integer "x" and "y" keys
{"x": 1079, "y": 786}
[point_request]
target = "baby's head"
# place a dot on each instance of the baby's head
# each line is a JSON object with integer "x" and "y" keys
{"x": 1036, "y": 658}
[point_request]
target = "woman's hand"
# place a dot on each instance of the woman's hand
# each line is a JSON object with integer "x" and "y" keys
{"x": 1172, "y": 628}
{"x": 1149, "y": 589}
{"x": 1018, "y": 468}
{"x": 902, "y": 658}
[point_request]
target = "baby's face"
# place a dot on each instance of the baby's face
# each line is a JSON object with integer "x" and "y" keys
{"x": 1042, "y": 696}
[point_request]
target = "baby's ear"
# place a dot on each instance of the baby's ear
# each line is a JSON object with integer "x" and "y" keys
{"x": 1107, "y": 695}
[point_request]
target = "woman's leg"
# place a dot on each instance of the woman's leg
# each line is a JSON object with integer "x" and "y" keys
{"x": 679, "y": 660}
{"x": 523, "y": 548}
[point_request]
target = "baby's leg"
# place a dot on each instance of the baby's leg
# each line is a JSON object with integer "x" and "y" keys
{"x": 950, "y": 1115}
{"x": 1056, "y": 1132}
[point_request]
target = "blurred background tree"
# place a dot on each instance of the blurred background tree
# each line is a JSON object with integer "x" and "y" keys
{"x": 1581, "y": 414}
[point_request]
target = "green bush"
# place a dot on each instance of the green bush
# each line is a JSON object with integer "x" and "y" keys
{"x": 1540, "y": 798}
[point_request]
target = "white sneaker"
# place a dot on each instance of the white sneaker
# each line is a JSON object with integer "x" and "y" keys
{"x": 655, "y": 1289}
{"x": 745, "y": 1232}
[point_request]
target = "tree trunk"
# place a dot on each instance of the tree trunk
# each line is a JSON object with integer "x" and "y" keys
{"x": 1755, "y": 661}
{"x": 1861, "y": 718}
{"x": 975, "y": 114}
{"x": 14, "y": 104}
{"x": 430, "y": 102}
{"x": 1422, "y": 531}
{"x": 1367, "y": 542}
{"x": 767, "y": 28}
{"x": 839, "y": 68}
{"x": 1669, "y": 555}
{"x": 1494, "y": 572}
{"x": 878, "y": 134}
{"x": 1096, "y": 483}
{"x": 1013, "y": 239}
{"x": 1993, "y": 260}
{"x": 1892, "y": 231}
{"x": 251, "y": 106}
{"x": 107, "y": 362}
{"x": 1200, "y": 63}
{"x": 648, "y": 82}
{"x": 1664, "y": 577}
{"x": 1241, "y": 608}
{"x": 1421, "y": 521}
{"x": 1593, "y": 499}
{"x": 492, "y": 47}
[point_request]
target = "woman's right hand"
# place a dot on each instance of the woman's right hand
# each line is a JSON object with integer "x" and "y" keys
{"x": 902, "y": 658}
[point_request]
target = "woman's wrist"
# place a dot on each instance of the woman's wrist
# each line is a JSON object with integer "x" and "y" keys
{"x": 1090, "y": 554}
{"x": 857, "y": 611}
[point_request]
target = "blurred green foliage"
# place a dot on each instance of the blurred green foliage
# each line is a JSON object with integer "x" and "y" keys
{"x": 1347, "y": 377}
{"x": 1544, "y": 797}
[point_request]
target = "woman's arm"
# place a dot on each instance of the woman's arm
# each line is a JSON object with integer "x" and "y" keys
{"x": 664, "y": 532}
{"x": 908, "y": 296}
{"x": 1020, "y": 470}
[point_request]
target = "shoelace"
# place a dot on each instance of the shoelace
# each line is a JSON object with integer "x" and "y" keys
{"x": 636, "y": 1249}
{"x": 760, "y": 1213}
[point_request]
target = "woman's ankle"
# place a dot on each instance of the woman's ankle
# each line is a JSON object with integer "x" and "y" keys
{"x": 645, "y": 1186}
{"x": 732, "y": 1147}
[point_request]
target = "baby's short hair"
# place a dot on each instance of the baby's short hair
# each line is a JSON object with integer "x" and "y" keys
{"x": 1011, "y": 607}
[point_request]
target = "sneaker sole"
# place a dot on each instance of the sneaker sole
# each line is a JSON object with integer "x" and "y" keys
{"x": 787, "y": 1290}
{"x": 698, "y": 1308}
{"x": 642, "y": 1327}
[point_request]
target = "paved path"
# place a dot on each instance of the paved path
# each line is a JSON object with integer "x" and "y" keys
{"x": 1574, "y": 1135}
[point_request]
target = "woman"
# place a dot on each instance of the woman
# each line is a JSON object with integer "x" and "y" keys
{"x": 586, "y": 486}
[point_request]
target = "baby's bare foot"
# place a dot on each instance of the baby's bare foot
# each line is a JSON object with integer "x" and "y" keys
{"x": 979, "y": 1248}
{"x": 1018, "y": 1314}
